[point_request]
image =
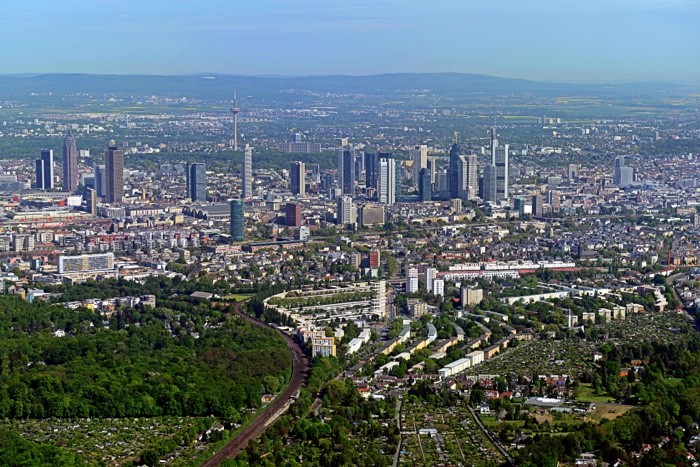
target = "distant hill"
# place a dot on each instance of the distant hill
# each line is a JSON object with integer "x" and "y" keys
{"x": 217, "y": 86}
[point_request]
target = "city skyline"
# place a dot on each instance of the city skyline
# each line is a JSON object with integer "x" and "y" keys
{"x": 625, "y": 40}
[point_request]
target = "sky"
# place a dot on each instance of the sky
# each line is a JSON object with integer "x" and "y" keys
{"x": 552, "y": 40}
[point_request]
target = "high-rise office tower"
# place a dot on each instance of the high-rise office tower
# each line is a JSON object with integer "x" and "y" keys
{"x": 237, "y": 220}
{"x": 114, "y": 174}
{"x": 347, "y": 214}
{"x": 453, "y": 171}
{"x": 316, "y": 173}
{"x": 346, "y": 170}
{"x": 573, "y": 171}
{"x": 100, "y": 180}
{"x": 44, "y": 170}
{"x": 197, "y": 181}
{"x": 488, "y": 184}
{"x": 520, "y": 205}
{"x": 371, "y": 170}
{"x": 297, "y": 174}
{"x": 248, "y": 172}
{"x": 425, "y": 187}
{"x": 433, "y": 168}
{"x": 624, "y": 176}
{"x": 443, "y": 182}
{"x": 292, "y": 214}
{"x": 70, "y": 163}
{"x": 499, "y": 158}
{"x": 419, "y": 154}
{"x": 554, "y": 198}
{"x": 537, "y": 205}
{"x": 467, "y": 177}
{"x": 359, "y": 165}
{"x": 386, "y": 184}
{"x": 91, "y": 201}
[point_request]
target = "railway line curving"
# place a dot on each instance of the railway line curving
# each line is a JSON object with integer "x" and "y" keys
{"x": 300, "y": 367}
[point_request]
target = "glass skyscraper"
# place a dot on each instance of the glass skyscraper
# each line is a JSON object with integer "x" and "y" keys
{"x": 44, "y": 170}
{"x": 197, "y": 181}
{"x": 237, "y": 220}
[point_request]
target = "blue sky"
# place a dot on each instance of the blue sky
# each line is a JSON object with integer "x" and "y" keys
{"x": 578, "y": 41}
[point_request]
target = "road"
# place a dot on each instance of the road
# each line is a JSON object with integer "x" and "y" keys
{"x": 300, "y": 368}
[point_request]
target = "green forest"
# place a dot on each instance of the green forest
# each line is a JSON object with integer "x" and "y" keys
{"x": 181, "y": 358}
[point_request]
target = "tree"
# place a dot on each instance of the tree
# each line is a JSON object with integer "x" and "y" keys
{"x": 476, "y": 396}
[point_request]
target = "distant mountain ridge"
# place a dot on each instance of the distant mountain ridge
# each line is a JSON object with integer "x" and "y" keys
{"x": 218, "y": 86}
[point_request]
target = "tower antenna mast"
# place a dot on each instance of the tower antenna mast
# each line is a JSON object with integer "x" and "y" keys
{"x": 235, "y": 110}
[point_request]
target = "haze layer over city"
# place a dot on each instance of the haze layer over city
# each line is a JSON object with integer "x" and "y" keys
{"x": 350, "y": 233}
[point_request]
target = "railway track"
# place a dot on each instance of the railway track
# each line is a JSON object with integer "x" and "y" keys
{"x": 300, "y": 367}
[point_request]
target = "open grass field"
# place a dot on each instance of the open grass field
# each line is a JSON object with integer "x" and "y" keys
{"x": 237, "y": 297}
{"x": 586, "y": 393}
{"x": 609, "y": 411}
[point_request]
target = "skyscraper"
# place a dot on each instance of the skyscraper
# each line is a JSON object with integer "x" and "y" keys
{"x": 197, "y": 181}
{"x": 489, "y": 184}
{"x": 554, "y": 200}
{"x": 537, "y": 205}
{"x": 499, "y": 158}
{"x": 624, "y": 176}
{"x": 347, "y": 214}
{"x": 573, "y": 171}
{"x": 346, "y": 170}
{"x": 44, "y": 170}
{"x": 453, "y": 171}
{"x": 100, "y": 185}
{"x": 237, "y": 220}
{"x": 467, "y": 177}
{"x": 292, "y": 214}
{"x": 371, "y": 161}
{"x": 433, "y": 168}
{"x": 386, "y": 184}
{"x": 114, "y": 174}
{"x": 91, "y": 201}
{"x": 247, "y": 172}
{"x": 425, "y": 187}
{"x": 297, "y": 173}
{"x": 70, "y": 163}
{"x": 419, "y": 154}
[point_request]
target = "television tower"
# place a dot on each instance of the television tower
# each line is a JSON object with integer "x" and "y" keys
{"x": 235, "y": 111}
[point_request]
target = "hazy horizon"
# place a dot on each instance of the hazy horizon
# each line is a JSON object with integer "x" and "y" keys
{"x": 329, "y": 75}
{"x": 571, "y": 42}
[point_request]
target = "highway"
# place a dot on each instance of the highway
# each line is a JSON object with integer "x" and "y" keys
{"x": 300, "y": 368}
